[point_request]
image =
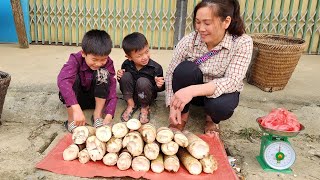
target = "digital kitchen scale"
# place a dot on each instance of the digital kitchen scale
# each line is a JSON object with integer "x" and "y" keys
{"x": 276, "y": 152}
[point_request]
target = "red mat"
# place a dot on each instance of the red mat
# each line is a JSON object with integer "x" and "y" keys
{"x": 54, "y": 162}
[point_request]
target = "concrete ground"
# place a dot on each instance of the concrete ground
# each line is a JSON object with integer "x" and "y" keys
{"x": 32, "y": 114}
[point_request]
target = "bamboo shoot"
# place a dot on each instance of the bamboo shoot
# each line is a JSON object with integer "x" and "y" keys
{"x": 148, "y": 132}
{"x": 190, "y": 163}
{"x": 180, "y": 138}
{"x": 114, "y": 145}
{"x": 140, "y": 163}
{"x": 170, "y": 148}
{"x": 119, "y": 130}
{"x": 134, "y": 143}
{"x": 81, "y": 133}
{"x": 124, "y": 161}
{"x": 84, "y": 156}
{"x": 96, "y": 148}
{"x": 209, "y": 164}
{"x": 71, "y": 152}
{"x": 164, "y": 135}
{"x": 171, "y": 163}
{"x": 110, "y": 159}
{"x": 133, "y": 124}
{"x": 151, "y": 150}
{"x": 197, "y": 147}
{"x": 157, "y": 164}
{"x": 104, "y": 133}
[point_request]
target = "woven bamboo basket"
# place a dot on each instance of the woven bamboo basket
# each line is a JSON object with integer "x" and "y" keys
{"x": 5, "y": 79}
{"x": 275, "y": 61}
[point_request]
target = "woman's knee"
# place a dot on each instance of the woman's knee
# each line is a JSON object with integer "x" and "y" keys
{"x": 186, "y": 70}
{"x": 187, "y": 73}
{"x": 221, "y": 108}
{"x": 219, "y": 112}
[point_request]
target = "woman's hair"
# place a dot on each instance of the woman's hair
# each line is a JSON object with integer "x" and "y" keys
{"x": 134, "y": 42}
{"x": 222, "y": 9}
{"x": 96, "y": 42}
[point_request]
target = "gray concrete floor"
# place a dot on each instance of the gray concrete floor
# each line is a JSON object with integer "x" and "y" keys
{"x": 32, "y": 114}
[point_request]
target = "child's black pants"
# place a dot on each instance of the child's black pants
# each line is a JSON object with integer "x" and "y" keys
{"x": 141, "y": 90}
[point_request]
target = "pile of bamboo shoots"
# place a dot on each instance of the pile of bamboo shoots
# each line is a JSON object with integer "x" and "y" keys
{"x": 141, "y": 147}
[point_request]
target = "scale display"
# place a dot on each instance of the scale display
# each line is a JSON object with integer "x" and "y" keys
{"x": 279, "y": 155}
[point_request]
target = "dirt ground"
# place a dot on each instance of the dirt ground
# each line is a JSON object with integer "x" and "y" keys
{"x": 32, "y": 115}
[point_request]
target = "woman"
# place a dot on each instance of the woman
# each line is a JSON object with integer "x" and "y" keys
{"x": 209, "y": 65}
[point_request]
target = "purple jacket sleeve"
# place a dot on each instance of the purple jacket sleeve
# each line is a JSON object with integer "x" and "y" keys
{"x": 111, "y": 100}
{"x": 66, "y": 79}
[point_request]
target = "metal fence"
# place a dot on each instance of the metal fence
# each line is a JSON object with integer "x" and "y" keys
{"x": 65, "y": 21}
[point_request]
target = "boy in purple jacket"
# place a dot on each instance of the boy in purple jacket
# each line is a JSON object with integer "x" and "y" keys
{"x": 87, "y": 81}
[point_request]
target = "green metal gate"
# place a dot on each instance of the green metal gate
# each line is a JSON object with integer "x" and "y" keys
{"x": 65, "y": 21}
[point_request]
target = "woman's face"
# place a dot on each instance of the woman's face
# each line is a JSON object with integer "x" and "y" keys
{"x": 210, "y": 27}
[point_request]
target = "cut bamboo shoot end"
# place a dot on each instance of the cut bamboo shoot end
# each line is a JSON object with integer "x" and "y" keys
{"x": 180, "y": 138}
{"x": 132, "y": 136}
{"x": 170, "y": 148}
{"x": 124, "y": 161}
{"x": 157, "y": 164}
{"x": 157, "y": 168}
{"x": 104, "y": 133}
{"x": 119, "y": 130}
{"x": 140, "y": 163}
{"x": 171, "y": 163}
{"x": 81, "y": 133}
{"x": 151, "y": 150}
{"x": 148, "y": 132}
{"x": 96, "y": 148}
{"x": 71, "y": 152}
{"x": 164, "y": 135}
{"x": 195, "y": 169}
{"x": 133, "y": 124}
{"x": 114, "y": 145}
{"x": 110, "y": 159}
{"x": 209, "y": 164}
{"x": 135, "y": 147}
{"x": 190, "y": 163}
{"x": 84, "y": 156}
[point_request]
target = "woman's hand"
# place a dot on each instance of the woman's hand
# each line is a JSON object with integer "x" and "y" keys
{"x": 120, "y": 73}
{"x": 181, "y": 98}
{"x": 174, "y": 116}
{"x": 78, "y": 116}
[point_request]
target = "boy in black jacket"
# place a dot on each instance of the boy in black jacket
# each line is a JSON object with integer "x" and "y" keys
{"x": 140, "y": 77}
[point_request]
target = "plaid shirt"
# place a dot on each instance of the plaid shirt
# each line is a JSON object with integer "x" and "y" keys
{"x": 226, "y": 69}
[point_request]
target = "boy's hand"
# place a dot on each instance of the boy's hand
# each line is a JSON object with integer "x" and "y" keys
{"x": 120, "y": 73}
{"x": 159, "y": 81}
{"x": 78, "y": 116}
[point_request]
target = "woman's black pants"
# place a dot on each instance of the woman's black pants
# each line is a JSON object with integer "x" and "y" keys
{"x": 221, "y": 108}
